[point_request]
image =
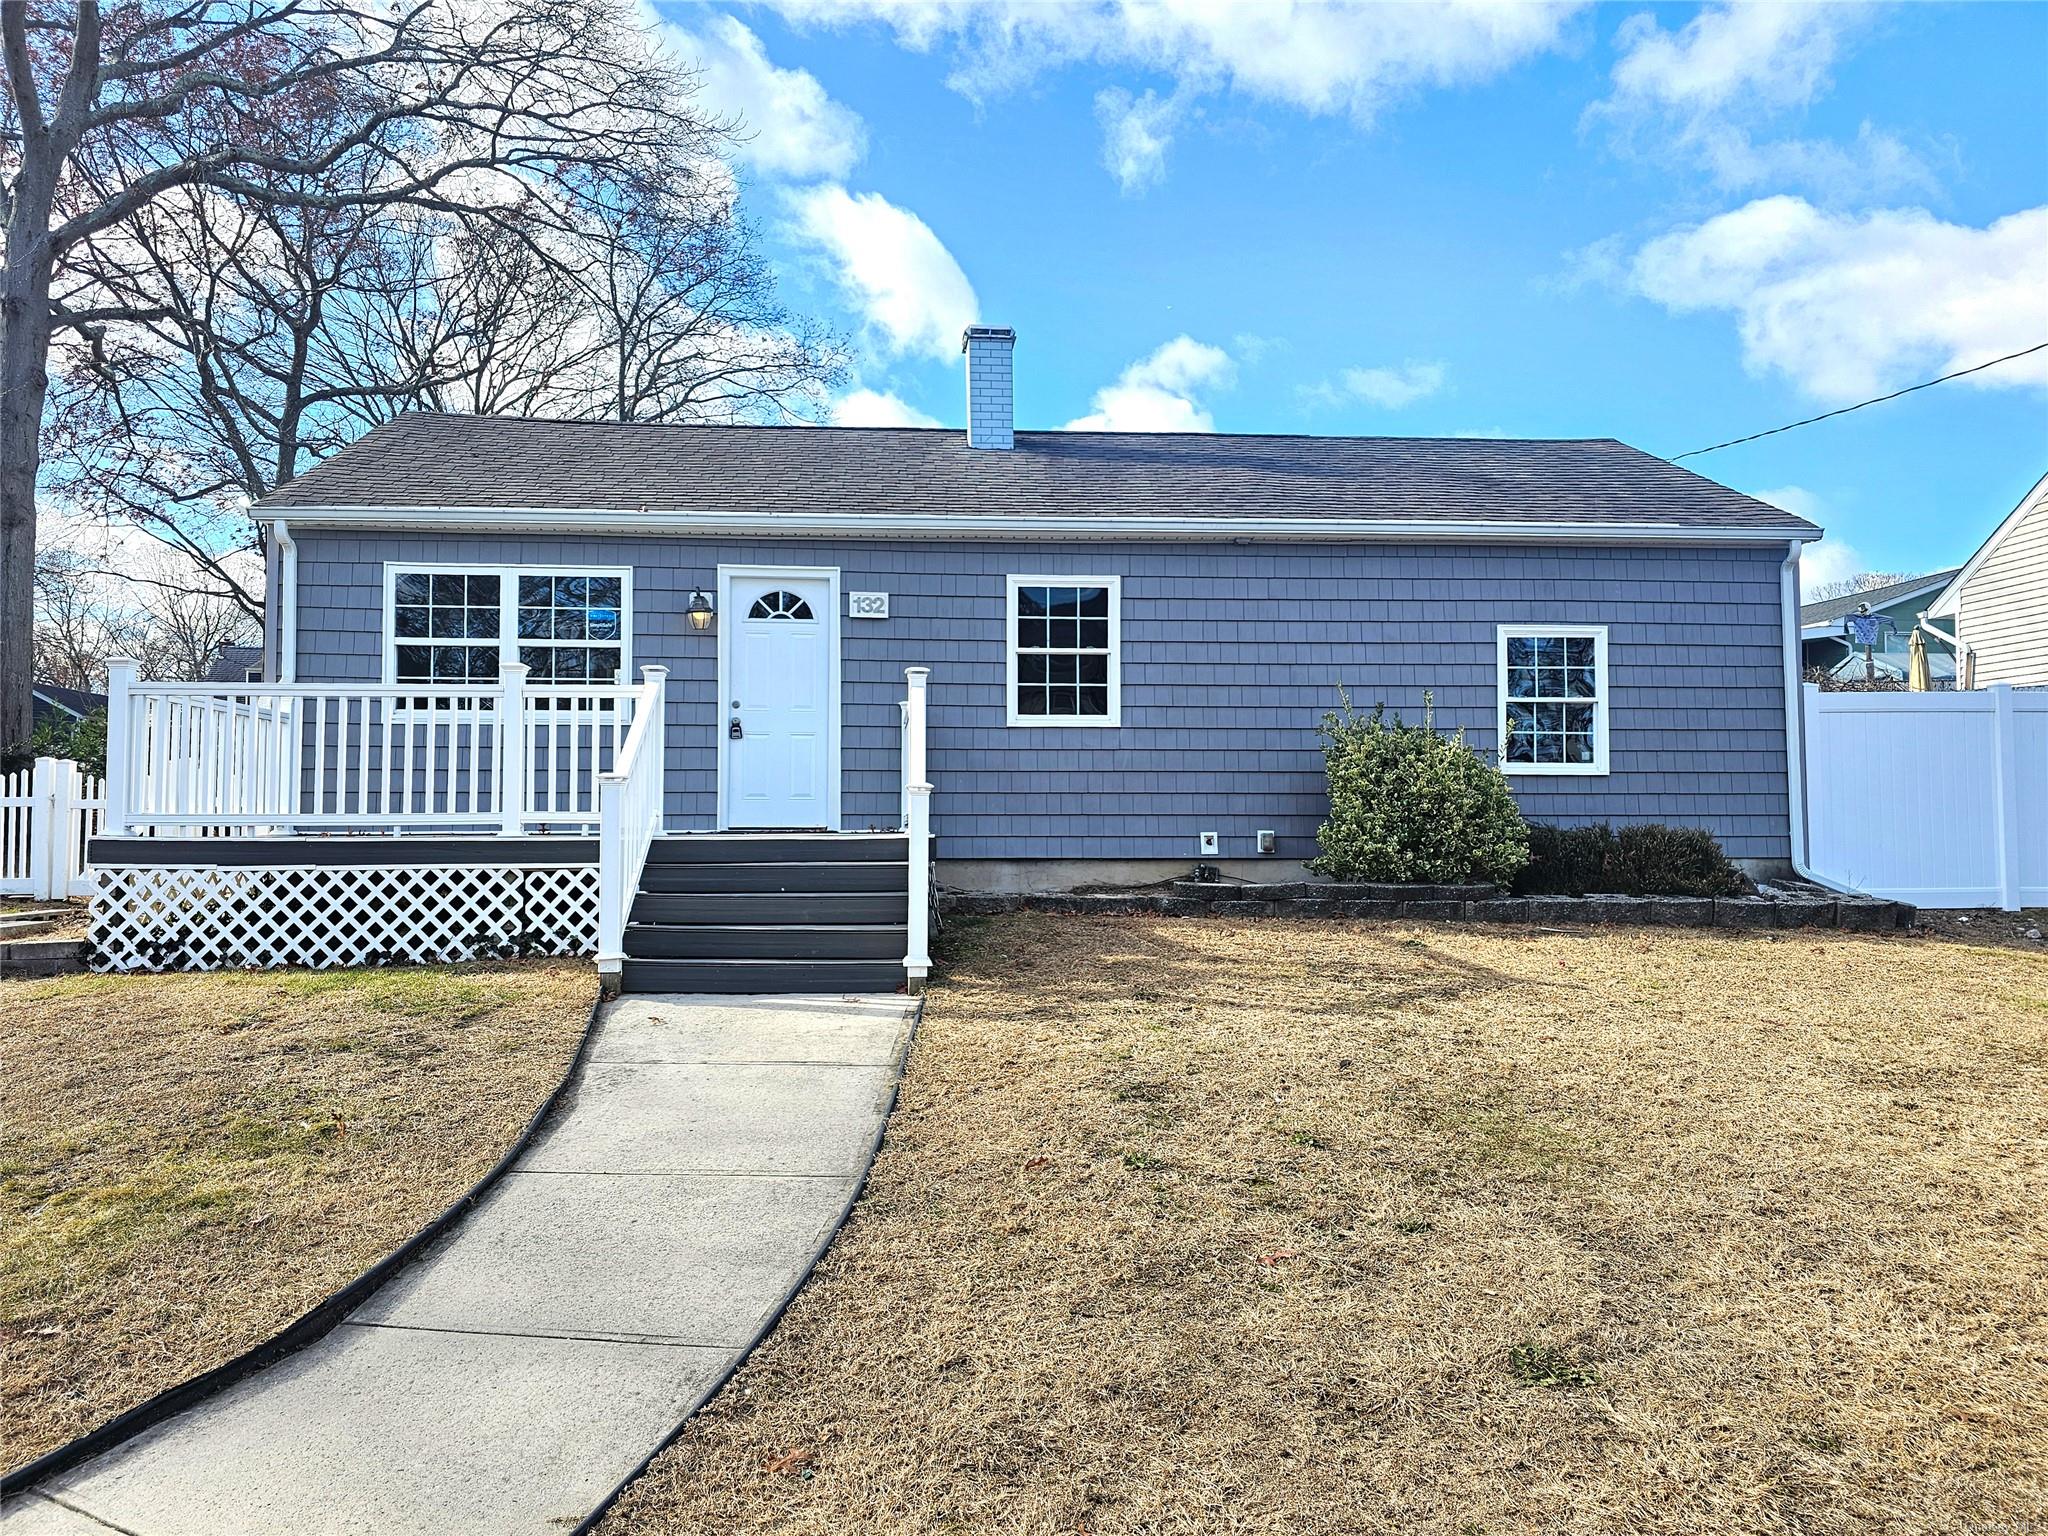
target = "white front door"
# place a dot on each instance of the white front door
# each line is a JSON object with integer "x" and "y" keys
{"x": 778, "y": 713}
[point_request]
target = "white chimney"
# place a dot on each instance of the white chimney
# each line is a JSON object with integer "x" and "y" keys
{"x": 991, "y": 399}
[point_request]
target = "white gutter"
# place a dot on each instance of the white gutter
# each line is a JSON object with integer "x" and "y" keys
{"x": 287, "y": 602}
{"x": 1088, "y": 526}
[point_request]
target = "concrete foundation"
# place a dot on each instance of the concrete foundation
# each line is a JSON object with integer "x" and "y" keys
{"x": 1050, "y": 877}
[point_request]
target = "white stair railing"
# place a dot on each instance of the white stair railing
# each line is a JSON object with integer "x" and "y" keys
{"x": 917, "y": 826}
{"x": 629, "y": 818}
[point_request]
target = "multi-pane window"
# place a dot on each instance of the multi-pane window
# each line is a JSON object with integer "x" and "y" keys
{"x": 571, "y": 628}
{"x": 457, "y": 626}
{"x": 1553, "y": 699}
{"x": 446, "y": 627}
{"x": 1063, "y": 650}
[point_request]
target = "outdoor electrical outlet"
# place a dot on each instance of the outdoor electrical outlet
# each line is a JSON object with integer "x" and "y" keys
{"x": 1208, "y": 843}
{"x": 1269, "y": 841}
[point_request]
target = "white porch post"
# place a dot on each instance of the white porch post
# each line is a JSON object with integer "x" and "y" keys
{"x": 917, "y": 799}
{"x": 515, "y": 767}
{"x": 121, "y": 745}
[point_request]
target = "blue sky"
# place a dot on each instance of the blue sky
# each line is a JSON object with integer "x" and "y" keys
{"x": 1672, "y": 226}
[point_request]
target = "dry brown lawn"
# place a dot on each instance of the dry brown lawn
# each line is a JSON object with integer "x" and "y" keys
{"x": 187, "y": 1163}
{"x": 1212, "y": 1226}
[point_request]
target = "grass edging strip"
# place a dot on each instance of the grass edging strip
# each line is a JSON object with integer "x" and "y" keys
{"x": 604, "y": 1505}
{"x": 309, "y": 1328}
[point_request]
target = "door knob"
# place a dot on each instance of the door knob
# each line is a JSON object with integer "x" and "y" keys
{"x": 733, "y": 729}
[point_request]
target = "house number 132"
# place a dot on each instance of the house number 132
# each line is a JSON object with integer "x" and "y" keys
{"x": 868, "y": 605}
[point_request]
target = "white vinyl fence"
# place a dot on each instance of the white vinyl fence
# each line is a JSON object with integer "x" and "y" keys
{"x": 46, "y": 814}
{"x": 1940, "y": 799}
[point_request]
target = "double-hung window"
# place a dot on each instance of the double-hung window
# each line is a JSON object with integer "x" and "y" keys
{"x": 461, "y": 624}
{"x": 1553, "y": 698}
{"x": 1062, "y": 650}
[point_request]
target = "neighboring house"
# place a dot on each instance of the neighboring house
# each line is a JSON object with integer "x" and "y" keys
{"x": 1824, "y": 642}
{"x": 1130, "y": 637}
{"x": 57, "y": 705}
{"x": 237, "y": 664}
{"x": 1998, "y": 601}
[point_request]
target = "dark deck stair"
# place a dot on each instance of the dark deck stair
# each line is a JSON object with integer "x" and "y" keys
{"x": 770, "y": 912}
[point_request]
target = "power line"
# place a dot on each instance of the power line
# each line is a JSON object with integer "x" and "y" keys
{"x": 1860, "y": 404}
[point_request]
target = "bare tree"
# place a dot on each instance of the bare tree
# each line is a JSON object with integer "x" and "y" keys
{"x": 1849, "y": 586}
{"x": 162, "y": 612}
{"x": 268, "y": 335}
{"x": 459, "y": 108}
{"x": 77, "y": 629}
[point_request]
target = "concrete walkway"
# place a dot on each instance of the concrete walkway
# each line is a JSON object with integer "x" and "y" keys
{"x": 528, "y": 1363}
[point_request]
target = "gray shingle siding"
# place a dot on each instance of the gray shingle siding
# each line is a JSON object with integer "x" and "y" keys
{"x": 1231, "y": 654}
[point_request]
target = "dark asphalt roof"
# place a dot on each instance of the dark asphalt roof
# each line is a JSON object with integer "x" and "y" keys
{"x": 426, "y": 460}
{"x": 234, "y": 663}
{"x": 69, "y": 702}
{"x": 1830, "y": 609}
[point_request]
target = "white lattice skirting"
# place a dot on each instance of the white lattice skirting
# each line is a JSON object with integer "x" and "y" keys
{"x": 207, "y": 918}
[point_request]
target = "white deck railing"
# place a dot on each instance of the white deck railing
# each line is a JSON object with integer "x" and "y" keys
{"x": 917, "y": 825}
{"x": 242, "y": 758}
{"x": 630, "y": 799}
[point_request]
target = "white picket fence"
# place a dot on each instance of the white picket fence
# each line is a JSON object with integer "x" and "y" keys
{"x": 1940, "y": 799}
{"x": 47, "y": 812}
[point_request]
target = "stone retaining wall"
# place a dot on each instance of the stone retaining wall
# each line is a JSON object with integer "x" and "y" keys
{"x": 1471, "y": 903}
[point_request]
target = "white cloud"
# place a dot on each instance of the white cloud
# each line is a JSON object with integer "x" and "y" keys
{"x": 793, "y": 127}
{"x": 1849, "y": 306}
{"x": 1705, "y": 91}
{"x": 909, "y": 290}
{"x": 877, "y": 408}
{"x": 1158, "y": 393}
{"x": 1773, "y": 55}
{"x": 1320, "y": 56}
{"x": 1137, "y": 131}
{"x": 1393, "y": 388}
{"x": 1828, "y": 559}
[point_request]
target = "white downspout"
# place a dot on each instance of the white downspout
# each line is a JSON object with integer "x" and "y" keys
{"x": 1795, "y": 720}
{"x": 287, "y": 603}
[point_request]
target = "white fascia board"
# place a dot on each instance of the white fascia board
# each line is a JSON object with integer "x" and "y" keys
{"x": 1951, "y": 599}
{"x": 1094, "y": 527}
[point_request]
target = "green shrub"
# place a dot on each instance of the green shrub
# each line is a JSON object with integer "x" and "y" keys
{"x": 1408, "y": 803}
{"x": 83, "y": 741}
{"x": 1649, "y": 860}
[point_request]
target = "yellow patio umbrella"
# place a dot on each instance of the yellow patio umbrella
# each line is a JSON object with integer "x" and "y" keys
{"x": 1917, "y": 679}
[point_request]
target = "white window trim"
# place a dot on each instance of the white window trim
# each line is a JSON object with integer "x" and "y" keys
{"x": 508, "y": 610}
{"x": 1597, "y": 633}
{"x": 1114, "y": 585}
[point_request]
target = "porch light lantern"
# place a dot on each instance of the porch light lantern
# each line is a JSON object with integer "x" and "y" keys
{"x": 700, "y": 612}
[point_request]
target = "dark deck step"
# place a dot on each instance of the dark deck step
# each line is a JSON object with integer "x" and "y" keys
{"x": 779, "y": 848}
{"x": 763, "y": 976}
{"x": 871, "y": 875}
{"x": 753, "y": 909}
{"x": 791, "y": 941}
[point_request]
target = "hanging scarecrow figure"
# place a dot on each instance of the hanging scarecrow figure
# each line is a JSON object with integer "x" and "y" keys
{"x": 1862, "y": 628}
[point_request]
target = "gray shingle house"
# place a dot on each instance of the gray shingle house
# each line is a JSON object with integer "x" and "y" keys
{"x": 1130, "y": 639}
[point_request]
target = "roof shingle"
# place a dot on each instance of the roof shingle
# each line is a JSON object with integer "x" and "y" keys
{"x": 428, "y": 460}
{"x": 1832, "y": 608}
